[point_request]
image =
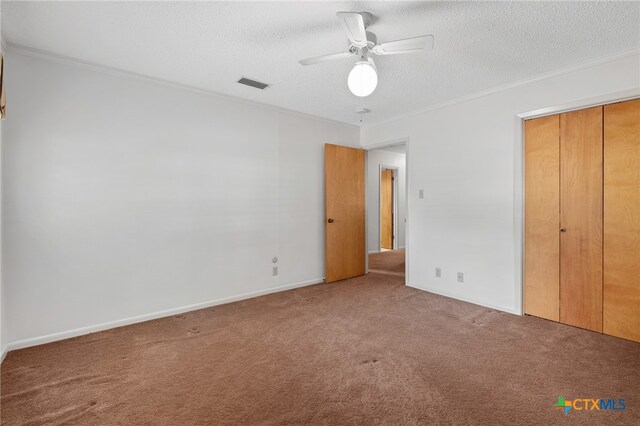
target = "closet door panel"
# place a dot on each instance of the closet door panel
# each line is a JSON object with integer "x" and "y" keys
{"x": 622, "y": 220}
{"x": 581, "y": 217}
{"x": 542, "y": 210}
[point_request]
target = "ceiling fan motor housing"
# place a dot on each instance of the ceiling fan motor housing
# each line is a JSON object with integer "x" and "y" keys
{"x": 372, "y": 40}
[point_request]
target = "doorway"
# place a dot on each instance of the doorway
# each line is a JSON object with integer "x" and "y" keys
{"x": 387, "y": 209}
{"x": 353, "y": 211}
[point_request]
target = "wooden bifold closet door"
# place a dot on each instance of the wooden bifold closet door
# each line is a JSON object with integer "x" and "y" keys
{"x": 582, "y": 218}
{"x": 563, "y": 218}
{"x": 622, "y": 220}
{"x": 542, "y": 213}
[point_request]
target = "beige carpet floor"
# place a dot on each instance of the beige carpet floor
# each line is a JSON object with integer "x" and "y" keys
{"x": 363, "y": 351}
{"x": 387, "y": 262}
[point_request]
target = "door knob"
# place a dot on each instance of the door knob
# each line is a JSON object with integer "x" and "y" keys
{"x": 563, "y": 229}
{"x": 330, "y": 220}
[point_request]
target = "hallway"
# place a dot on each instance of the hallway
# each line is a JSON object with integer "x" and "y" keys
{"x": 391, "y": 262}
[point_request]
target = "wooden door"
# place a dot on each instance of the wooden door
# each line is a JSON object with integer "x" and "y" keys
{"x": 621, "y": 310}
{"x": 344, "y": 212}
{"x": 542, "y": 218}
{"x": 386, "y": 209}
{"x": 581, "y": 218}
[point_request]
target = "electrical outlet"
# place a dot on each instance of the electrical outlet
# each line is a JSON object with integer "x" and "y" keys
{"x": 421, "y": 193}
{"x": 460, "y": 277}
{"x": 438, "y": 272}
{"x": 275, "y": 271}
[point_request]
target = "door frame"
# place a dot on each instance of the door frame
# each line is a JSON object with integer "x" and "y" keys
{"x": 407, "y": 189}
{"x": 394, "y": 201}
{"x": 519, "y": 197}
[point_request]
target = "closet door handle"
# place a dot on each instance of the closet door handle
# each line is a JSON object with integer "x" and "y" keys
{"x": 563, "y": 229}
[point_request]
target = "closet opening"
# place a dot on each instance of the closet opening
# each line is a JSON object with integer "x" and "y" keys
{"x": 582, "y": 218}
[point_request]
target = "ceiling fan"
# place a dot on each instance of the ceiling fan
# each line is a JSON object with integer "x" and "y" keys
{"x": 363, "y": 78}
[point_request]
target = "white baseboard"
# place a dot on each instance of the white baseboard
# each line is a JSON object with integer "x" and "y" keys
{"x": 509, "y": 310}
{"x": 3, "y": 353}
{"x": 48, "y": 338}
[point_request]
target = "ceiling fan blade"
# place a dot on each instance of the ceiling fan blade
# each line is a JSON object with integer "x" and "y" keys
{"x": 408, "y": 45}
{"x": 353, "y": 24}
{"x": 325, "y": 58}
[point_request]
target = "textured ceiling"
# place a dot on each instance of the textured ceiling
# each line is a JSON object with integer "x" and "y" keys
{"x": 210, "y": 45}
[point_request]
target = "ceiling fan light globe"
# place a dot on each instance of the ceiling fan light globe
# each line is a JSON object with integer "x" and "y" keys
{"x": 362, "y": 79}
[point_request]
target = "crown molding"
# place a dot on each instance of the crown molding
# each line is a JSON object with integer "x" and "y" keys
{"x": 625, "y": 95}
{"x": 576, "y": 67}
{"x": 42, "y": 54}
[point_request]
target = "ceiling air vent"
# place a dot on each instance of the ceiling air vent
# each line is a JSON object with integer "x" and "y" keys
{"x": 253, "y": 83}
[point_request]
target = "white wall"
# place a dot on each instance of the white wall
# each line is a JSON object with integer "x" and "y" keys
{"x": 375, "y": 158}
{"x": 467, "y": 157}
{"x": 124, "y": 197}
{"x": 3, "y": 323}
